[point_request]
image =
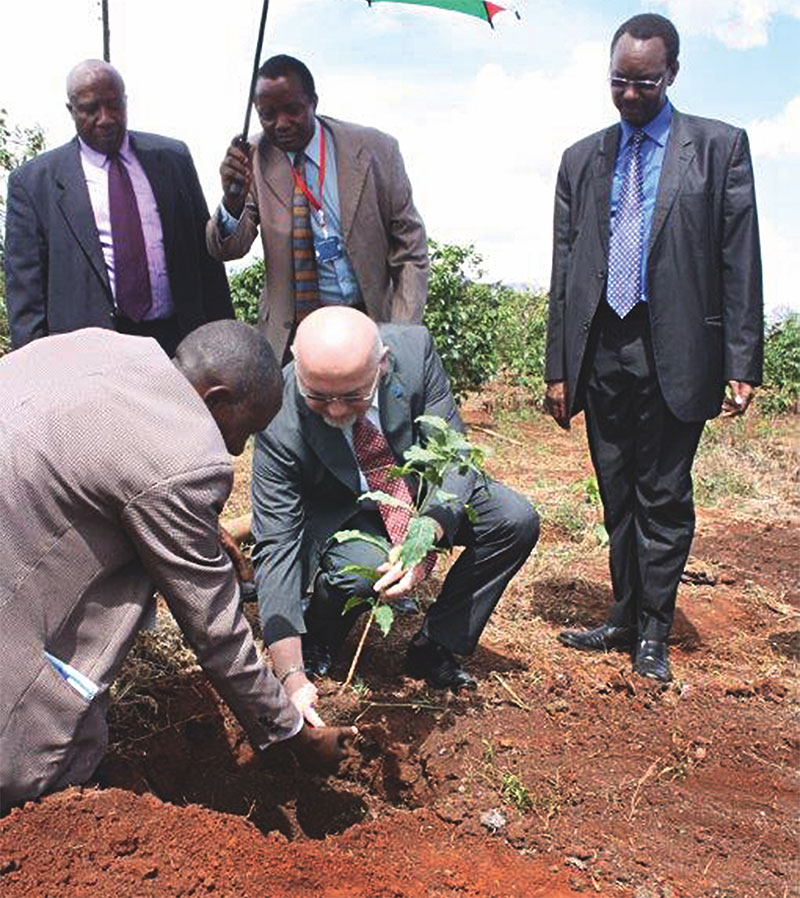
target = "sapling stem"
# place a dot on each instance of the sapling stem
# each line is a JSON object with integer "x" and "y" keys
{"x": 359, "y": 647}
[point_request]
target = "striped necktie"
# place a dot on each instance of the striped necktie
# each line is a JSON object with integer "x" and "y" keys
{"x": 626, "y": 244}
{"x": 306, "y": 288}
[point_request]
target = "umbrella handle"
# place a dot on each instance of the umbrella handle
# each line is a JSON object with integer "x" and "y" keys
{"x": 236, "y": 187}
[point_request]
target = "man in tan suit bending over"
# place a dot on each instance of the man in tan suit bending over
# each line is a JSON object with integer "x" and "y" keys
{"x": 333, "y": 203}
{"x": 115, "y": 465}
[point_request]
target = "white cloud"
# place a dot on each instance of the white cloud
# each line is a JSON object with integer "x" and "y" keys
{"x": 779, "y": 262}
{"x": 483, "y": 155}
{"x": 777, "y": 137}
{"x": 739, "y": 24}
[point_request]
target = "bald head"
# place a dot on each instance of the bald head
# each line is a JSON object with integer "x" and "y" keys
{"x": 336, "y": 342}
{"x": 89, "y": 71}
{"x": 235, "y": 372}
{"x": 338, "y": 353}
{"x": 96, "y": 102}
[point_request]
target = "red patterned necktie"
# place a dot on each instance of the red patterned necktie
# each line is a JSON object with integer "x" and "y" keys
{"x": 131, "y": 274}
{"x": 375, "y": 458}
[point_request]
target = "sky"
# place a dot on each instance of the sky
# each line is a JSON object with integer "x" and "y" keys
{"x": 482, "y": 115}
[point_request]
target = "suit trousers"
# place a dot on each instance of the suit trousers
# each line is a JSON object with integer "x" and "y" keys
{"x": 495, "y": 548}
{"x": 643, "y": 456}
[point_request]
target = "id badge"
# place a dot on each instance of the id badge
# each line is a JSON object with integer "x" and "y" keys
{"x": 328, "y": 250}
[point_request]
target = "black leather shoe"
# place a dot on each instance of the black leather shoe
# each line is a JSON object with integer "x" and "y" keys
{"x": 652, "y": 660}
{"x": 600, "y": 639}
{"x": 436, "y": 665}
{"x": 316, "y": 658}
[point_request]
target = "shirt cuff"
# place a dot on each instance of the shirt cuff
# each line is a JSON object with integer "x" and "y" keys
{"x": 226, "y": 223}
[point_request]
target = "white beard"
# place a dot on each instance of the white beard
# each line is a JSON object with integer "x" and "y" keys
{"x": 341, "y": 423}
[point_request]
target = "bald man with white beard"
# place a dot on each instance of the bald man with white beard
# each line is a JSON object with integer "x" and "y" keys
{"x": 306, "y": 484}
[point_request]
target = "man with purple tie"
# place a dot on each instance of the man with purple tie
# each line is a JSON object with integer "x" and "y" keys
{"x": 109, "y": 229}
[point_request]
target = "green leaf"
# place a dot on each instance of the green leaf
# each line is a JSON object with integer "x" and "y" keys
{"x": 356, "y": 602}
{"x": 345, "y": 536}
{"x": 602, "y": 534}
{"x": 420, "y": 539}
{"x": 416, "y": 453}
{"x": 368, "y": 573}
{"x": 384, "y": 618}
{"x": 432, "y": 421}
{"x": 383, "y": 498}
{"x": 472, "y": 515}
{"x": 442, "y": 497}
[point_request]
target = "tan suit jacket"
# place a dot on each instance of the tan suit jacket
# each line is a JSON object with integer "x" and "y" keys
{"x": 384, "y": 236}
{"x": 113, "y": 474}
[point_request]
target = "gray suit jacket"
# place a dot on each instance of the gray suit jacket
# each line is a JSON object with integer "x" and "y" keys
{"x": 703, "y": 271}
{"x": 383, "y": 233}
{"x": 305, "y": 482}
{"x": 56, "y": 278}
{"x": 113, "y": 475}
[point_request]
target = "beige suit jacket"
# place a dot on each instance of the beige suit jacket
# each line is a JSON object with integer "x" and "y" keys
{"x": 383, "y": 233}
{"x": 113, "y": 474}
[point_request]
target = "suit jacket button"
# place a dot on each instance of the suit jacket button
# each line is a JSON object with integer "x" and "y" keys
{"x": 587, "y": 324}
{"x": 288, "y": 325}
{"x": 601, "y": 273}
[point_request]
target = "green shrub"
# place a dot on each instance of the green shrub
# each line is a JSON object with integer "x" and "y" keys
{"x": 781, "y": 390}
{"x": 462, "y": 316}
{"x": 522, "y": 337}
{"x": 246, "y": 286}
{"x": 5, "y": 337}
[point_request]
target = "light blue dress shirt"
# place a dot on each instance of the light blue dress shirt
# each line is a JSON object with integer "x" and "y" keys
{"x": 653, "y": 149}
{"x": 336, "y": 278}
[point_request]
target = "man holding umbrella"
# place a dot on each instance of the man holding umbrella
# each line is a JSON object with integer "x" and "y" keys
{"x": 334, "y": 206}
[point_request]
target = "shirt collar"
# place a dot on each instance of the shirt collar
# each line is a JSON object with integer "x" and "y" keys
{"x": 100, "y": 160}
{"x": 313, "y": 149}
{"x": 656, "y": 129}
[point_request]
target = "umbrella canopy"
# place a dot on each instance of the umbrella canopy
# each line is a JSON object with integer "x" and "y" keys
{"x": 478, "y": 8}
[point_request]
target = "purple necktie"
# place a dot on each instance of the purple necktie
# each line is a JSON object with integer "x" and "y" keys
{"x": 131, "y": 275}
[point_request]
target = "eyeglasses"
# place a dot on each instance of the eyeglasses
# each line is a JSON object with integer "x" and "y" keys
{"x": 347, "y": 399}
{"x": 643, "y": 84}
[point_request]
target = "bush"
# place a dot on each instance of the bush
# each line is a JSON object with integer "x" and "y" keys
{"x": 522, "y": 338}
{"x": 781, "y": 391}
{"x": 246, "y": 286}
{"x": 462, "y": 316}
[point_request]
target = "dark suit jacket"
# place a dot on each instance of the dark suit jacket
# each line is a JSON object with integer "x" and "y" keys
{"x": 305, "y": 482}
{"x": 703, "y": 271}
{"x": 56, "y": 279}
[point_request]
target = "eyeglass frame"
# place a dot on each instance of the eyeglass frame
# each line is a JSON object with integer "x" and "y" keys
{"x": 346, "y": 400}
{"x": 642, "y": 84}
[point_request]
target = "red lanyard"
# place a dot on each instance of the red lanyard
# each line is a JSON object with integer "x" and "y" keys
{"x": 300, "y": 182}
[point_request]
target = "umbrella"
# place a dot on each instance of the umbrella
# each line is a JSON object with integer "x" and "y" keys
{"x": 478, "y": 8}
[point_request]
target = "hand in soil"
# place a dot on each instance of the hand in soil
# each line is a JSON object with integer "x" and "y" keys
{"x": 322, "y": 749}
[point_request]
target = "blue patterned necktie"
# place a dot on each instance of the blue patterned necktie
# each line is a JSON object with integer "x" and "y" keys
{"x": 626, "y": 244}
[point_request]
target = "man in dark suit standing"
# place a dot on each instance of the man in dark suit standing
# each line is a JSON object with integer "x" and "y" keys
{"x": 655, "y": 303}
{"x": 109, "y": 229}
{"x": 351, "y": 402}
